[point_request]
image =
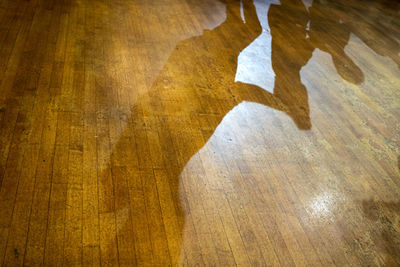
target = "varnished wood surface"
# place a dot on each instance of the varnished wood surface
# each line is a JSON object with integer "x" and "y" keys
{"x": 199, "y": 133}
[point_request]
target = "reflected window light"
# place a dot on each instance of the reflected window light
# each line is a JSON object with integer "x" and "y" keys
{"x": 254, "y": 62}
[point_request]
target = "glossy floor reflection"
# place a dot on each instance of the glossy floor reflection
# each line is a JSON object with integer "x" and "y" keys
{"x": 199, "y": 133}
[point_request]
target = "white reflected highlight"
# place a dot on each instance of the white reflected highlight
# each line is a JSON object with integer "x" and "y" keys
{"x": 322, "y": 205}
{"x": 254, "y": 62}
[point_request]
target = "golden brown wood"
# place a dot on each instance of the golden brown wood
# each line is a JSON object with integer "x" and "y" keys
{"x": 212, "y": 133}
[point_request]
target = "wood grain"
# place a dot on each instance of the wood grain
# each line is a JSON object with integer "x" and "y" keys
{"x": 212, "y": 133}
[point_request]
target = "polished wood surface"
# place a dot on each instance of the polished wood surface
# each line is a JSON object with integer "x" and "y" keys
{"x": 211, "y": 133}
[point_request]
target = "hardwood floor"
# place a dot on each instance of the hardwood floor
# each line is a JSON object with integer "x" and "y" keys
{"x": 211, "y": 133}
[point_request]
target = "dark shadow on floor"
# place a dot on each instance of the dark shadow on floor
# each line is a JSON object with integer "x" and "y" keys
{"x": 385, "y": 234}
{"x": 196, "y": 89}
